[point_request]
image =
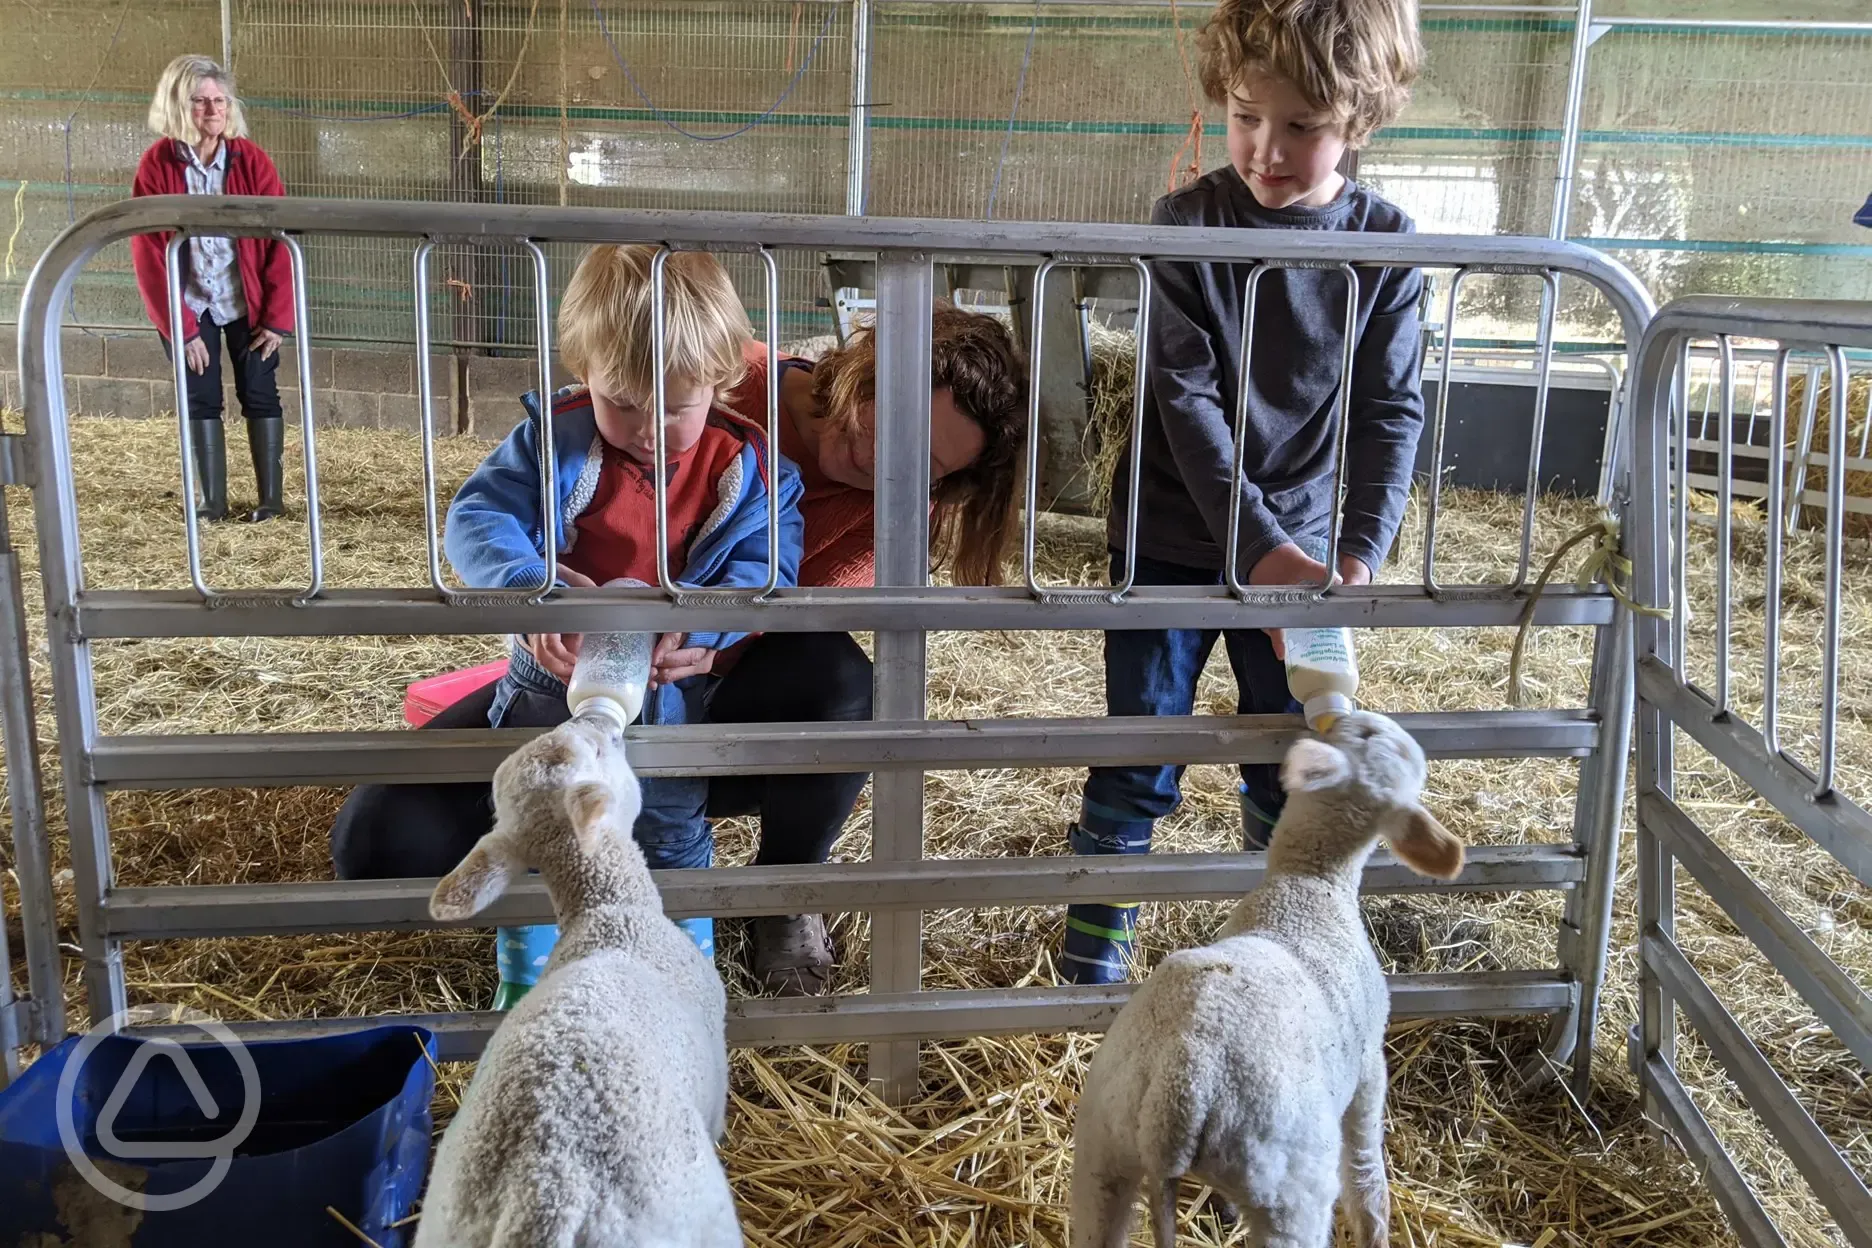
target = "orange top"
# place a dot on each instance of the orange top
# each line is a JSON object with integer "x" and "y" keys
{"x": 836, "y": 518}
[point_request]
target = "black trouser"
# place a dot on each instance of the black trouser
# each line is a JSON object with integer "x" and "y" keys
{"x": 255, "y": 379}
{"x": 396, "y": 831}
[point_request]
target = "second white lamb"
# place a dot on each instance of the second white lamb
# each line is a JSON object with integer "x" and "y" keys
{"x": 1256, "y": 1063}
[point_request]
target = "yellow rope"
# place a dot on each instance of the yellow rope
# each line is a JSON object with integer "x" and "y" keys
{"x": 1604, "y": 564}
{"x": 19, "y": 221}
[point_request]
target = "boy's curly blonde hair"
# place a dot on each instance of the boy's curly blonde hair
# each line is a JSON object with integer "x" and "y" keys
{"x": 1356, "y": 59}
{"x": 604, "y": 321}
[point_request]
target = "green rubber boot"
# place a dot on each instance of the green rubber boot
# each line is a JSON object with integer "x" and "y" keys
{"x": 508, "y": 995}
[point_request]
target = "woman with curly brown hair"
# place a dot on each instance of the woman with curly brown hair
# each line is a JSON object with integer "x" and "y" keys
{"x": 828, "y": 426}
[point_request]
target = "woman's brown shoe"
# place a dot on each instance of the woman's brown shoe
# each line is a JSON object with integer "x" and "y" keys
{"x": 792, "y": 954}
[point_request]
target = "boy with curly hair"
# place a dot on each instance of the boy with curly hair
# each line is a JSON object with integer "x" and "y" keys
{"x": 1303, "y": 81}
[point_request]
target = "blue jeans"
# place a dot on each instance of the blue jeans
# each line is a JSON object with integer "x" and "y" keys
{"x": 1154, "y": 672}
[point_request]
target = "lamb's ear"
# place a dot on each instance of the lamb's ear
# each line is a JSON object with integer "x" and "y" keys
{"x": 475, "y": 882}
{"x": 1425, "y": 845}
{"x": 1312, "y": 765}
{"x": 588, "y": 805}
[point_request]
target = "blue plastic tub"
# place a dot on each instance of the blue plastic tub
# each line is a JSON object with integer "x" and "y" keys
{"x": 343, "y": 1122}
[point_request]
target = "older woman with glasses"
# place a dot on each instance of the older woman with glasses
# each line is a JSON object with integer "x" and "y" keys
{"x": 237, "y": 290}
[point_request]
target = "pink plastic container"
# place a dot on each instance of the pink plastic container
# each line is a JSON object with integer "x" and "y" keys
{"x": 424, "y": 699}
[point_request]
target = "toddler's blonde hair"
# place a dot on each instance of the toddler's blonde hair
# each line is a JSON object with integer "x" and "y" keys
{"x": 604, "y": 322}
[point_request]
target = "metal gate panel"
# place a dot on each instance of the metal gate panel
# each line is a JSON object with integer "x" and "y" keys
{"x": 901, "y": 609}
{"x": 1801, "y": 785}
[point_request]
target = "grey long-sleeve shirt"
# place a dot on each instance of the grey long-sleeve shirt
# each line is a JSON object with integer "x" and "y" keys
{"x": 1192, "y": 384}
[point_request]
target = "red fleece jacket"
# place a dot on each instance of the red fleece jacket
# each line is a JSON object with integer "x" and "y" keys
{"x": 265, "y": 264}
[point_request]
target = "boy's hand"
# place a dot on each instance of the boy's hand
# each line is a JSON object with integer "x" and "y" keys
{"x": 671, "y": 661}
{"x": 1287, "y": 564}
{"x": 1352, "y": 570}
{"x": 558, "y": 652}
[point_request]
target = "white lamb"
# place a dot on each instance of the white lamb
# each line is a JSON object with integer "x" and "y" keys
{"x": 1256, "y": 1063}
{"x": 594, "y": 1112}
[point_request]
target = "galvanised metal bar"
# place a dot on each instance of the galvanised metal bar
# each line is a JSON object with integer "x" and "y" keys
{"x": 1771, "y": 567}
{"x": 191, "y": 524}
{"x": 1013, "y": 240}
{"x": 116, "y": 614}
{"x": 1835, "y": 587}
{"x": 1030, "y": 515}
{"x": 858, "y": 132}
{"x": 1231, "y": 560}
{"x": 211, "y": 760}
{"x": 1833, "y": 995}
{"x": 906, "y": 290}
{"x": 1835, "y": 823}
{"x": 1669, "y": 1102}
{"x": 26, "y": 803}
{"x": 1570, "y": 122}
{"x": 1586, "y": 921}
{"x": 909, "y": 1017}
{"x": 1543, "y": 384}
{"x": 1659, "y": 426}
{"x": 659, "y": 351}
{"x": 1725, "y": 500}
{"x": 1833, "y": 1179}
{"x": 222, "y": 910}
{"x": 1438, "y": 429}
{"x": 1667, "y": 702}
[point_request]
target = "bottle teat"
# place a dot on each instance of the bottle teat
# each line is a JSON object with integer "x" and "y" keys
{"x": 597, "y": 706}
{"x": 1326, "y": 709}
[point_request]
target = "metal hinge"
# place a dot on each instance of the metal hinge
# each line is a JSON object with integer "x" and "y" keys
{"x": 16, "y": 466}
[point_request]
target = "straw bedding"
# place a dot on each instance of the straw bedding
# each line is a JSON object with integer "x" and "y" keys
{"x": 982, "y": 1157}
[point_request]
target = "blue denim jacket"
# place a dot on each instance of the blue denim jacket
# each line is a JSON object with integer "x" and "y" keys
{"x": 494, "y": 539}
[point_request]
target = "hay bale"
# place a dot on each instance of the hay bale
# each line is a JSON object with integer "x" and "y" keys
{"x": 980, "y": 1157}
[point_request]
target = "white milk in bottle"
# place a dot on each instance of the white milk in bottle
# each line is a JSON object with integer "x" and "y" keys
{"x": 612, "y": 672}
{"x": 1322, "y": 673}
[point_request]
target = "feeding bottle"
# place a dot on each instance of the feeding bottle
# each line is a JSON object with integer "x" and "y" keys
{"x": 1322, "y": 673}
{"x": 612, "y": 673}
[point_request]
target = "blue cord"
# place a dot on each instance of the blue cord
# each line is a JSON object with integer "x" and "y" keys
{"x": 1020, "y": 85}
{"x": 713, "y": 138}
{"x": 414, "y": 112}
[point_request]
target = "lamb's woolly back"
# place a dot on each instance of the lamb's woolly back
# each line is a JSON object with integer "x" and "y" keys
{"x": 595, "y": 1109}
{"x": 1256, "y": 1062}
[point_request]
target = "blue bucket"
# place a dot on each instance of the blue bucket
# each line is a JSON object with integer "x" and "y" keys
{"x": 342, "y": 1121}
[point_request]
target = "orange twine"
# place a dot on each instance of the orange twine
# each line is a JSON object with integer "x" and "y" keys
{"x": 468, "y": 119}
{"x": 1181, "y": 175}
{"x": 463, "y": 288}
{"x": 792, "y": 38}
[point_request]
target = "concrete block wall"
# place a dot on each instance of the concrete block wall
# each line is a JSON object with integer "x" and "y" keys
{"x": 130, "y": 377}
